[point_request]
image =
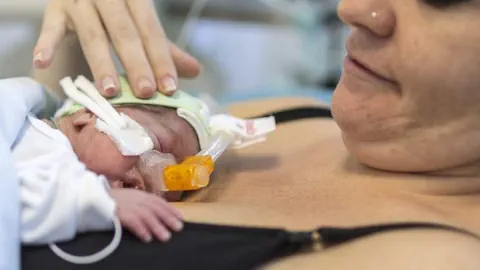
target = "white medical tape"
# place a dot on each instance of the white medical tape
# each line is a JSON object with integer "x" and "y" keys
{"x": 245, "y": 131}
{"x": 130, "y": 138}
{"x": 73, "y": 93}
{"x": 89, "y": 88}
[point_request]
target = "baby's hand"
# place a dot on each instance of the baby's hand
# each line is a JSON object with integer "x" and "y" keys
{"x": 146, "y": 214}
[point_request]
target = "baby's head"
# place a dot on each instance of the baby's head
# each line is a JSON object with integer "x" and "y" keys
{"x": 174, "y": 124}
{"x": 169, "y": 132}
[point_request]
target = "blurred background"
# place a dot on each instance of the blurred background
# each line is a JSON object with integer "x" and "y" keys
{"x": 248, "y": 48}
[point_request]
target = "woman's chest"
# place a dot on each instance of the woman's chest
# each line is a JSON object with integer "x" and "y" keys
{"x": 309, "y": 183}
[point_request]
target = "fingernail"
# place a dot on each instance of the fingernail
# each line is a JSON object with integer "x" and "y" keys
{"x": 178, "y": 226}
{"x": 39, "y": 59}
{"x": 38, "y": 56}
{"x": 145, "y": 86}
{"x": 148, "y": 239}
{"x": 168, "y": 84}
{"x": 166, "y": 236}
{"x": 108, "y": 86}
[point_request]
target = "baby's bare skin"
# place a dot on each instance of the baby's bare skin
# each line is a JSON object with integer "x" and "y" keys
{"x": 170, "y": 134}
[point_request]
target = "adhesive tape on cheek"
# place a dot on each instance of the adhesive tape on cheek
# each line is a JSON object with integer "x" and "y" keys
{"x": 133, "y": 140}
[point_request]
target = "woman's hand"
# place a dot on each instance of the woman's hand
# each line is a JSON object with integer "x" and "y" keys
{"x": 150, "y": 60}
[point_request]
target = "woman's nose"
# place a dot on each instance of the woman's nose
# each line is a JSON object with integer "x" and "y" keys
{"x": 376, "y": 16}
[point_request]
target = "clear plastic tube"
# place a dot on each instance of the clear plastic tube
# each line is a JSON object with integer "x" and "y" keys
{"x": 151, "y": 166}
{"x": 194, "y": 172}
{"x": 161, "y": 173}
{"x": 218, "y": 144}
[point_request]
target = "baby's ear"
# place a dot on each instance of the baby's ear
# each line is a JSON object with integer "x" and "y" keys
{"x": 83, "y": 118}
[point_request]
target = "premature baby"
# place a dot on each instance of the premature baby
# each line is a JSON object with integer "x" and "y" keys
{"x": 68, "y": 171}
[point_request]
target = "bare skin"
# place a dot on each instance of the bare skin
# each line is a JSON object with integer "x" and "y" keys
{"x": 169, "y": 132}
{"x": 406, "y": 105}
{"x": 306, "y": 194}
{"x": 140, "y": 210}
{"x": 269, "y": 185}
{"x": 132, "y": 27}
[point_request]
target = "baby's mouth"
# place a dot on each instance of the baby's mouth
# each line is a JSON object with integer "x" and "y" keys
{"x": 123, "y": 184}
{"x": 132, "y": 179}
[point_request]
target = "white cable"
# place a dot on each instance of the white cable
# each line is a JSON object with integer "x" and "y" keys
{"x": 89, "y": 259}
{"x": 192, "y": 17}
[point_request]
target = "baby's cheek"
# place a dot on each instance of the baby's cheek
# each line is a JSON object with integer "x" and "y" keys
{"x": 102, "y": 156}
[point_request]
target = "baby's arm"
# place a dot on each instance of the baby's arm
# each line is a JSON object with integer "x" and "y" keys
{"x": 19, "y": 97}
{"x": 62, "y": 198}
{"x": 58, "y": 200}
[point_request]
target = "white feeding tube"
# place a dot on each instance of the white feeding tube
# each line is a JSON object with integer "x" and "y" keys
{"x": 218, "y": 144}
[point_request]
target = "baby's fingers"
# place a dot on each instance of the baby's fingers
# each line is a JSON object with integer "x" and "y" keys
{"x": 167, "y": 213}
{"x": 155, "y": 225}
{"x": 161, "y": 202}
{"x": 135, "y": 223}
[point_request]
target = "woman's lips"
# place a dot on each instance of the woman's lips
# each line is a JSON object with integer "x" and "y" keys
{"x": 356, "y": 68}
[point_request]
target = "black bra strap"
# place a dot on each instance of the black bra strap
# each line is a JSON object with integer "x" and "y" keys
{"x": 330, "y": 236}
{"x": 327, "y": 237}
{"x": 298, "y": 113}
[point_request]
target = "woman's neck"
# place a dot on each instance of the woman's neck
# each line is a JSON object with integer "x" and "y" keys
{"x": 458, "y": 181}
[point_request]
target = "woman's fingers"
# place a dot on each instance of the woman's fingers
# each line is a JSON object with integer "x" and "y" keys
{"x": 155, "y": 43}
{"x": 186, "y": 65}
{"x": 52, "y": 32}
{"x": 128, "y": 45}
{"x": 150, "y": 60}
{"x": 95, "y": 45}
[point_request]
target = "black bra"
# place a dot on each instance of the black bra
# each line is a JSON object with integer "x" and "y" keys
{"x": 209, "y": 246}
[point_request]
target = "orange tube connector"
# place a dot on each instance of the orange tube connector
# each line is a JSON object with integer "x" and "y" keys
{"x": 192, "y": 174}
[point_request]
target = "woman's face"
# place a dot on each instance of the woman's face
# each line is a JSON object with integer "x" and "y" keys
{"x": 409, "y": 95}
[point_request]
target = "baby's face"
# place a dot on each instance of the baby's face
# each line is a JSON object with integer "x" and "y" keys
{"x": 169, "y": 132}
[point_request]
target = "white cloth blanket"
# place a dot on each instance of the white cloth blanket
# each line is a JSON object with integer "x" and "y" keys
{"x": 18, "y": 98}
{"x": 46, "y": 194}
